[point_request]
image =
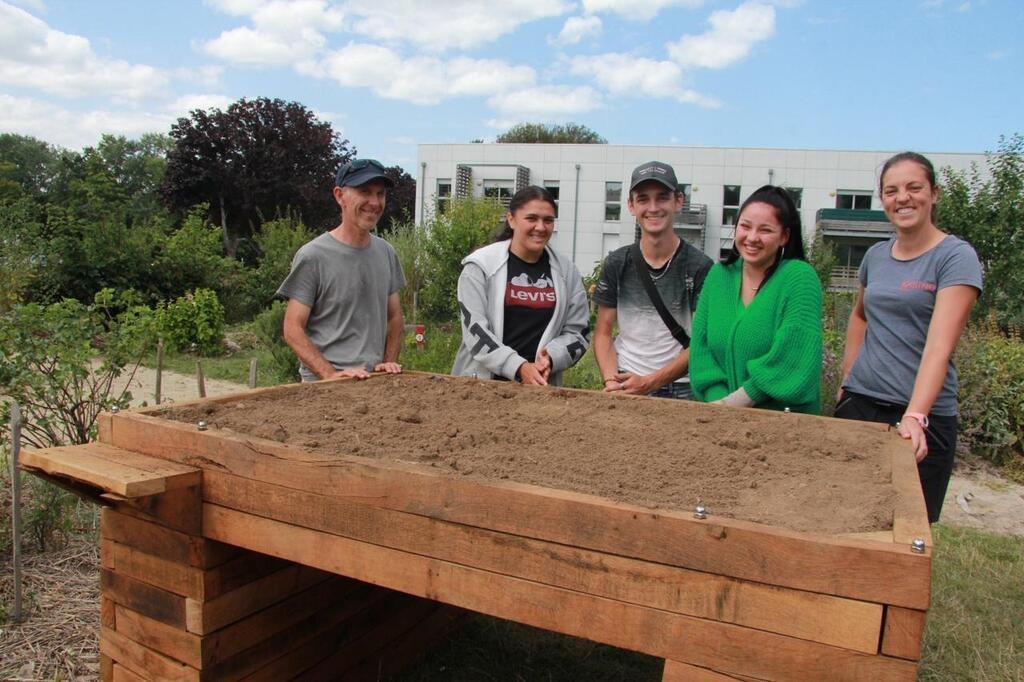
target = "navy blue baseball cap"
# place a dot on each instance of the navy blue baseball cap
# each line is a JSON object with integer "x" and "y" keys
{"x": 361, "y": 171}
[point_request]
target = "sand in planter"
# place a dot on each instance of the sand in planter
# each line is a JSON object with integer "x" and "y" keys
{"x": 786, "y": 470}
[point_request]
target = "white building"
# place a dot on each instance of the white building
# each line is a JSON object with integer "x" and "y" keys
{"x": 836, "y": 191}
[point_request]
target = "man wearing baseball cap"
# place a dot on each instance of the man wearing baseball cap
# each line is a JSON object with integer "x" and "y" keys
{"x": 343, "y": 316}
{"x": 650, "y": 356}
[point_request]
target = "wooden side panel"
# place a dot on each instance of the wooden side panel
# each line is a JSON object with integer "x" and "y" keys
{"x": 106, "y": 668}
{"x": 677, "y": 671}
{"x": 173, "y": 642}
{"x": 903, "y": 633}
{"x": 179, "y": 509}
{"x": 699, "y": 642}
{"x": 142, "y": 661}
{"x": 866, "y": 571}
{"x": 150, "y": 601}
{"x": 910, "y": 518}
{"x": 123, "y": 674}
{"x": 171, "y": 576}
{"x": 821, "y": 618}
{"x": 157, "y": 540}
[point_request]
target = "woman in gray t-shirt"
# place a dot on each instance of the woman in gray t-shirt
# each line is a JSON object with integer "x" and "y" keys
{"x": 916, "y": 292}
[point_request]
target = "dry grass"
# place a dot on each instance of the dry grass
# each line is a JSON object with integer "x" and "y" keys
{"x": 58, "y": 638}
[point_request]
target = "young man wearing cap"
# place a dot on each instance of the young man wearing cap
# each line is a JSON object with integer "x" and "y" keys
{"x": 650, "y": 356}
{"x": 343, "y": 316}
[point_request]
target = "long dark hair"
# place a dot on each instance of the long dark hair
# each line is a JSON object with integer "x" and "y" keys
{"x": 520, "y": 199}
{"x": 788, "y": 216}
{"x": 913, "y": 157}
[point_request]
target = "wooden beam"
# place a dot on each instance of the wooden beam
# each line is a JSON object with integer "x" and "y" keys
{"x": 903, "y": 633}
{"x": 660, "y": 633}
{"x": 861, "y": 570}
{"x": 146, "y": 599}
{"x": 807, "y": 615}
{"x": 142, "y": 661}
{"x": 910, "y": 517}
{"x": 677, "y": 671}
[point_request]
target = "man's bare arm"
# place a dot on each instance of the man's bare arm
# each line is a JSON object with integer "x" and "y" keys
{"x": 296, "y": 315}
{"x": 395, "y": 335}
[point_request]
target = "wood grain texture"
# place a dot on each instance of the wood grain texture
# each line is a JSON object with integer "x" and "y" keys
{"x": 698, "y": 642}
{"x": 910, "y": 518}
{"x": 142, "y": 661}
{"x": 807, "y": 615}
{"x": 146, "y": 599}
{"x": 903, "y": 633}
{"x": 861, "y": 570}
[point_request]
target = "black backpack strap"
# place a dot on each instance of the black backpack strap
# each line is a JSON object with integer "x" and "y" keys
{"x": 652, "y": 292}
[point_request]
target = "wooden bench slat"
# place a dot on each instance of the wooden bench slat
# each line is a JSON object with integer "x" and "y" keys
{"x": 111, "y": 469}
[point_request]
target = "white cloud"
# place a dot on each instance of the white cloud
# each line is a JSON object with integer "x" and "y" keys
{"x": 75, "y": 129}
{"x": 454, "y": 24}
{"x": 576, "y": 29}
{"x": 627, "y": 75}
{"x": 282, "y": 33}
{"x": 32, "y": 55}
{"x": 206, "y": 76}
{"x": 187, "y": 103}
{"x": 421, "y": 80}
{"x": 37, "y": 6}
{"x": 637, "y": 11}
{"x": 732, "y": 35}
{"x": 544, "y": 103}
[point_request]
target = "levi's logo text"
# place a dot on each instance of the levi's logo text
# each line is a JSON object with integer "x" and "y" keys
{"x": 526, "y": 293}
{"x": 917, "y": 284}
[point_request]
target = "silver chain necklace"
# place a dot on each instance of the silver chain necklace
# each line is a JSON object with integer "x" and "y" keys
{"x": 664, "y": 268}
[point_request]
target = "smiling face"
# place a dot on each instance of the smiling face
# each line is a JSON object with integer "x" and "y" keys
{"x": 760, "y": 235}
{"x": 654, "y": 206}
{"x": 908, "y": 196}
{"x": 362, "y": 206}
{"x": 532, "y": 225}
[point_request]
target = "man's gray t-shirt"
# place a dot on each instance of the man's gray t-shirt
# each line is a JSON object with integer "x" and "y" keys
{"x": 347, "y": 290}
{"x": 899, "y": 297}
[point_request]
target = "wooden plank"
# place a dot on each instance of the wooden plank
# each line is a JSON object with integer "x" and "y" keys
{"x": 142, "y": 661}
{"x": 874, "y": 536}
{"x": 108, "y": 614}
{"x": 106, "y": 668}
{"x": 123, "y": 674}
{"x": 660, "y": 633}
{"x": 903, "y": 633}
{"x": 408, "y": 648}
{"x": 164, "y": 542}
{"x": 148, "y": 600}
{"x": 111, "y": 469}
{"x": 171, "y": 576}
{"x": 179, "y": 509}
{"x": 172, "y": 642}
{"x": 842, "y": 567}
{"x": 821, "y": 618}
{"x": 245, "y": 568}
{"x": 910, "y": 518}
{"x": 204, "y": 617}
{"x": 677, "y": 671}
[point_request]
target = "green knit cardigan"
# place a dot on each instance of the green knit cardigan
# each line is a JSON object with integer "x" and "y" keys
{"x": 772, "y": 348}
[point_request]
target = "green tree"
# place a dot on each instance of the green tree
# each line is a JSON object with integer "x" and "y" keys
{"x": 570, "y": 133}
{"x": 256, "y": 159}
{"x": 401, "y": 203}
{"x": 987, "y": 210}
{"x": 27, "y": 162}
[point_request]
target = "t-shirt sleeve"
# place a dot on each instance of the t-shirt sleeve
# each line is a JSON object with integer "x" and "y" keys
{"x": 961, "y": 266}
{"x": 302, "y": 280}
{"x": 606, "y": 292}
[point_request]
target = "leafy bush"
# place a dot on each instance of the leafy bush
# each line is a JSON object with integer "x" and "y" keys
{"x": 991, "y": 368}
{"x": 193, "y": 320}
{"x": 467, "y": 225}
{"x": 190, "y": 258}
{"x": 277, "y": 242}
{"x": 268, "y": 327}
{"x": 408, "y": 240}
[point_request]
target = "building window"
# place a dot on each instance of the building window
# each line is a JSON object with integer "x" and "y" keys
{"x": 552, "y": 187}
{"x": 501, "y": 190}
{"x": 797, "y": 195}
{"x": 444, "y": 195}
{"x": 730, "y": 204}
{"x": 612, "y": 200}
{"x": 853, "y": 199}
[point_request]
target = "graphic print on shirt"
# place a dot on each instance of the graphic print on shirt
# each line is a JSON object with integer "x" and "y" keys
{"x": 524, "y": 292}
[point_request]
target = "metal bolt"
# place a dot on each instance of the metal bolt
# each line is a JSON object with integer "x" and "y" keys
{"x": 115, "y": 409}
{"x": 785, "y": 409}
{"x": 700, "y": 512}
{"x": 202, "y": 425}
{"x": 475, "y": 376}
{"x": 917, "y": 546}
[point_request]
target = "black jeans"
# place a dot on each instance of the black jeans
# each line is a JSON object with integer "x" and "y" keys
{"x": 937, "y": 466}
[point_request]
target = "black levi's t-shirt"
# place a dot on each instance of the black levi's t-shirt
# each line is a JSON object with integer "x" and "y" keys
{"x": 529, "y": 303}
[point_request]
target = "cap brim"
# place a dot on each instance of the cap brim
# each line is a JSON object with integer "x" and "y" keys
{"x": 361, "y": 177}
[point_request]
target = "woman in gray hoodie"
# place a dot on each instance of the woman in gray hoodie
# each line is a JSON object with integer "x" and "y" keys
{"x": 524, "y": 313}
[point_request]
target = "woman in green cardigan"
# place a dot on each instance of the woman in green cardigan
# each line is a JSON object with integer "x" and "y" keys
{"x": 757, "y": 338}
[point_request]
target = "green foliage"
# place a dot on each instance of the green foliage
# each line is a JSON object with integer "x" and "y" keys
{"x": 570, "y": 133}
{"x": 268, "y": 327}
{"x": 408, "y": 240}
{"x": 822, "y": 257}
{"x": 467, "y": 225}
{"x": 400, "y": 206}
{"x": 190, "y": 258}
{"x": 439, "y": 348}
{"x": 22, "y": 249}
{"x": 991, "y": 372}
{"x": 193, "y": 321}
{"x": 987, "y": 210}
{"x": 277, "y": 242}
{"x": 26, "y": 163}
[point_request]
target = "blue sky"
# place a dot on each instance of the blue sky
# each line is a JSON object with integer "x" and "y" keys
{"x": 934, "y": 75}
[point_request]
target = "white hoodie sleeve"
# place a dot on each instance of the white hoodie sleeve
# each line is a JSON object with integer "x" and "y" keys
{"x": 477, "y": 335}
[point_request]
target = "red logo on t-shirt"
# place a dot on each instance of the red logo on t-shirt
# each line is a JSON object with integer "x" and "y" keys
{"x": 917, "y": 284}
{"x": 528, "y": 294}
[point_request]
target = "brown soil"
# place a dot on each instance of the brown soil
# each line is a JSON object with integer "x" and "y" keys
{"x": 786, "y": 470}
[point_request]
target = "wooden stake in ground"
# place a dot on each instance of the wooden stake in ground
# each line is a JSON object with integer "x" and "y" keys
{"x": 200, "y": 379}
{"x": 16, "y": 508}
{"x": 159, "y": 370}
{"x": 252, "y": 373}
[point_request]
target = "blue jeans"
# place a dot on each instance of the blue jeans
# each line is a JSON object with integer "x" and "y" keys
{"x": 677, "y": 390}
